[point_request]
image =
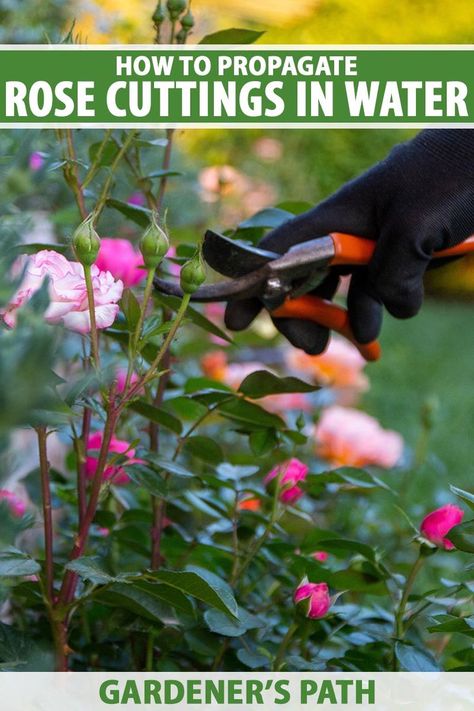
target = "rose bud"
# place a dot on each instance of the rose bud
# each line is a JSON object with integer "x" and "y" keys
{"x": 187, "y": 21}
{"x": 317, "y": 597}
{"x": 176, "y": 8}
{"x": 154, "y": 244}
{"x": 438, "y": 523}
{"x": 86, "y": 242}
{"x": 193, "y": 274}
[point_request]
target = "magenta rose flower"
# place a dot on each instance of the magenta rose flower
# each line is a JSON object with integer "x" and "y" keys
{"x": 122, "y": 260}
{"x": 437, "y": 524}
{"x": 320, "y": 556}
{"x": 67, "y": 292}
{"x": 291, "y": 473}
{"x": 36, "y": 161}
{"x": 317, "y": 595}
{"x": 16, "y": 505}
{"x": 114, "y": 473}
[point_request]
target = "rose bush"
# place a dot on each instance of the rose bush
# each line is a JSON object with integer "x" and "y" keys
{"x": 216, "y": 504}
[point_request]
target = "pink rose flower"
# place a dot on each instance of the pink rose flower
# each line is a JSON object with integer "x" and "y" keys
{"x": 318, "y": 598}
{"x": 121, "y": 376}
{"x": 67, "y": 292}
{"x": 122, "y": 260}
{"x": 16, "y": 505}
{"x": 290, "y": 474}
{"x": 173, "y": 269}
{"x": 137, "y": 198}
{"x": 36, "y": 161}
{"x": 320, "y": 556}
{"x": 438, "y": 523}
{"x": 348, "y": 437}
{"x": 283, "y": 403}
{"x": 115, "y": 473}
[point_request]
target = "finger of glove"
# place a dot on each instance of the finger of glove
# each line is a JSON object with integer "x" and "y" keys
{"x": 240, "y": 314}
{"x": 308, "y": 335}
{"x": 396, "y": 271}
{"x": 348, "y": 210}
{"x": 365, "y": 309}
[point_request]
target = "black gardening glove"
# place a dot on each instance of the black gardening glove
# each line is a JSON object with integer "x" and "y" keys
{"x": 418, "y": 200}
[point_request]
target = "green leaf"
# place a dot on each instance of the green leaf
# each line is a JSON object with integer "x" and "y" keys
{"x": 194, "y": 385}
{"x": 296, "y": 207}
{"x": 131, "y": 308}
{"x": 263, "y": 441}
{"x": 14, "y": 562}
{"x": 232, "y": 472}
{"x": 89, "y": 568}
{"x": 270, "y": 218}
{"x": 450, "y": 623}
{"x": 140, "y": 215}
{"x": 18, "y": 652}
{"x": 108, "y": 154}
{"x": 337, "y": 545}
{"x": 141, "y": 600}
{"x": 149, "y": 479}
{"x": 165, "y": 465}
{"x": 194, "y": 316}
{"x": 164, "y": 174}
{"x": 263, "y": 383}
{"x": 415, "y": 660}
{"x": 233, "y": 35}
{"x": 462, "y": 536}
{"x": 157, "y": 415}
{"x": 250, "y": 413}
{"x": 205, "y": 448}
{"x": 253, "y": 660}
{"x": 203, "y": 585}
{"x": 222, "y": 624}
{"x": 465, "y": 496}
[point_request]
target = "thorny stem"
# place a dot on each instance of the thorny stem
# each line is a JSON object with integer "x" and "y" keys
{"x": 135, "y": 337}
{"x": 91, "y": 305}
{"x": 108, "y": 183}
{"x": 71, "y": 174}
{"x": 284, "y": 646}
{"x": 81, "y": 479}
{"x": 70, "y": 579}
{"x": 47, "y": 513}
{"x": 165, "y": 167}
{"x": 157, "y": 361}
{"x": 91, "y": 173}
{"x": 399, "y": 628}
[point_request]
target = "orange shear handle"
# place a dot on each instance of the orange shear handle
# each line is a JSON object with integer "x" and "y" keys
{"x": 349, "y": 250}
{"x": 329, "y": 315}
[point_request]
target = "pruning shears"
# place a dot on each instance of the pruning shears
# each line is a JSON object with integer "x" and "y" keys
{"x": 283, "y": 282}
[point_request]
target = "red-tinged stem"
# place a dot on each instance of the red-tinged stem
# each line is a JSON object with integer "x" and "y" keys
{"x": 81, "y": 478}
{"x": 68, "y": 587}
{"x": 47, "y": 513}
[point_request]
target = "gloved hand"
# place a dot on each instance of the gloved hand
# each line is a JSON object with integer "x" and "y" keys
{"x": 418, "y": 200}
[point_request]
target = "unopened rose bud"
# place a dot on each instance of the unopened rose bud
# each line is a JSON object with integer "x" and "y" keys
{"x": 193, "y": 274}
{"x": 187, "y": 21}
{"x": 437, "y": 524}
{"x": 154, "y": 244}
{"x": 159, "y": 15}
{"x": 182, "y": 36}
{"x": 314, "y": 599}
{"x": 86, "y": 242}
{"x": 176, "y": 8}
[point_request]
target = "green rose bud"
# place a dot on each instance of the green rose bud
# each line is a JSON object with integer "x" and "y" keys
{"x": 86, "y": 242}
{"x": 187, "y": 21}
{"x": 181, "y": 36}
{"x": 193, "y": 274}
{"x": 154, "y": 244}
{"x": 176, "y": 8}
{"x": 159, "y": 15}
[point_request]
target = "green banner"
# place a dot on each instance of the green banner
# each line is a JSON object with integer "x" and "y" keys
{"x": 236, "y": 86}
